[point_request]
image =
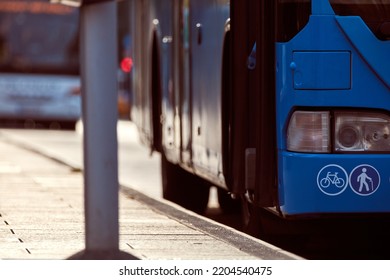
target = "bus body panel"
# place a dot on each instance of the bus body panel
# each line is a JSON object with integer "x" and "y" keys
{"x": 182, "y": 56}
{"x": 190, "y": 108}
{"x": 141, "y": 107}
{"x": 373, "y": 51}
{"x": 314, "y": 193}
{"x": 165, "y": 39}
{"x": 208, "y": 18}
{"x": 329, "y": 183}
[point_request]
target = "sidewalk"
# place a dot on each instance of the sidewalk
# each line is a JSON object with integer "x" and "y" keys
{"x": 41, "y": 217}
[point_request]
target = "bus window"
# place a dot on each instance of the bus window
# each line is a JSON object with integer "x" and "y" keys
{"x": 375, "y": 13}
{"x": 292, "y": 16}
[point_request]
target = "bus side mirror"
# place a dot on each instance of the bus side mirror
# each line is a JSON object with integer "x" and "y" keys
{"x": 77, "y": 3}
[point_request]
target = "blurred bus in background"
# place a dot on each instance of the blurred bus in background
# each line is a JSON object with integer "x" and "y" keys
{"x": 39, "y": 63}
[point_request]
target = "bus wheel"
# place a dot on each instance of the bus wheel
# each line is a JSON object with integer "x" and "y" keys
{"x": 261, "y": 223}
{"x": 227, "y": 204}
{"x": 184, "y": 188}
{"x": 68, "y": 125}
{"x": 252, "y": 221}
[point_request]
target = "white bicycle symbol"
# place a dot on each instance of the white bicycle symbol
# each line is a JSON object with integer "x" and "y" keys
{"x": 332, "y": 179}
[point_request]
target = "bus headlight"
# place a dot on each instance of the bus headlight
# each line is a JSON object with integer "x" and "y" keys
{"x": 308, "y": 131}
{"x": 362, "y": 132}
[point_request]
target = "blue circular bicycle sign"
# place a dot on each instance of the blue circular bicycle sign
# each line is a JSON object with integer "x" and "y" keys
{"x": 364, "y": 180}
{"x": 332, "y": 179}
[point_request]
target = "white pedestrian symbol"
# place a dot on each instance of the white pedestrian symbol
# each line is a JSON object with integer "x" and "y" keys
{"x": 363, "y": 178}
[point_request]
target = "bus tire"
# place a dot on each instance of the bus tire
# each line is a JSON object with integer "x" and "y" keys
{"x": 184, "y": 188}
{"x": 227, "y": 204}
{"x": 251, "y": 219}
{"x": 68, "y": 125}
{"x": 261, "y": 223}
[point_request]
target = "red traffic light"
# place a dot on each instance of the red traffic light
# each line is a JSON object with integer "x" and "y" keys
{"x": 126, "y": 64}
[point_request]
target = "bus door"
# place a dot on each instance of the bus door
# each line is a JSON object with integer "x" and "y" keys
{"x": 252, "y": 151}
{"x": 262, "y": 87}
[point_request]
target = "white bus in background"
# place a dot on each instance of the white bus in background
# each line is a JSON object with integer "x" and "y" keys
{"x": 39, "y": 63}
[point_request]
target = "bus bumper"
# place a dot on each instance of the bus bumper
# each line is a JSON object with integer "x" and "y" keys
{"x": 313, "y": 184}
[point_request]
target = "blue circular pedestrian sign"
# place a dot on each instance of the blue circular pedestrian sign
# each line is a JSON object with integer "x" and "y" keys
{"x": 364, "y": 180}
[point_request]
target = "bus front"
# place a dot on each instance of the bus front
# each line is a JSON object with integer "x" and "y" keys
{"x": 333, "y": 106}
{"x": 39, "y": 64}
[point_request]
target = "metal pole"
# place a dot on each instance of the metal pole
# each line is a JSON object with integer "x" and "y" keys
{"x": 99, "y": 67}
{"x": 98, "y": 51}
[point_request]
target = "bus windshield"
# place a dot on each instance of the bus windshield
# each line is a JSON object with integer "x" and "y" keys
{"x": 38, "y": 37}
{"x": 375, "y": 13}
{"x": 294, "y": 14}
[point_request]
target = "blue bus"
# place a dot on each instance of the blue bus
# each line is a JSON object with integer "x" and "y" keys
{"x": 39, "y": 63}
{"x": 283, "y": 105}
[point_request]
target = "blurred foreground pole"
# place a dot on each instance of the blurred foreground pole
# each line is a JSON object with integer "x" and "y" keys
{"x": 98, "y": 70}
{"x": 98, "y": 49}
